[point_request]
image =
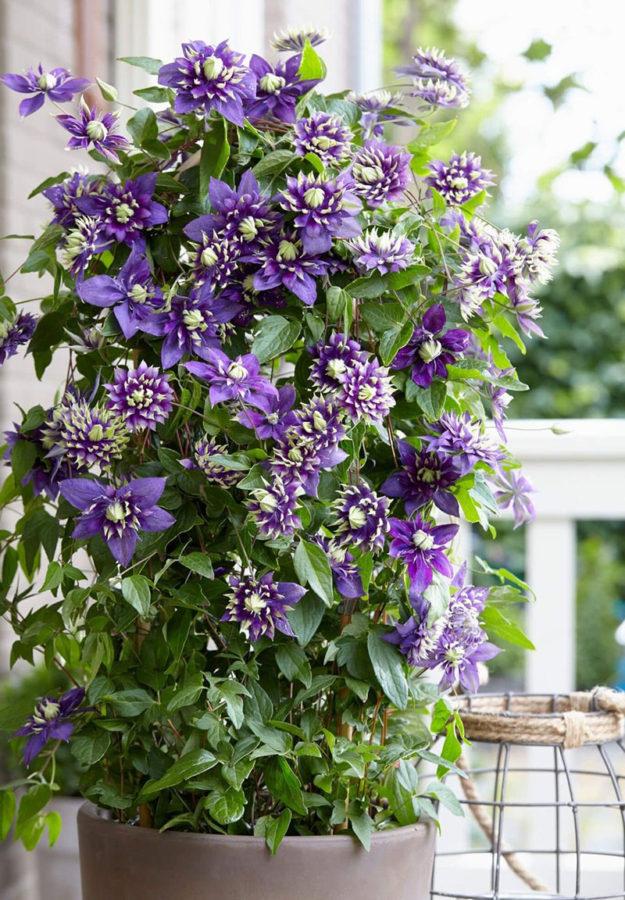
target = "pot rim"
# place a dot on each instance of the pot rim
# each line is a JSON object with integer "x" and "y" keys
{"x": 94, "y": 814}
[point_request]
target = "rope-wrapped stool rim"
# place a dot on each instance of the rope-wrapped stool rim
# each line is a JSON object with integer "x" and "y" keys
{"x": 566, "y": 720}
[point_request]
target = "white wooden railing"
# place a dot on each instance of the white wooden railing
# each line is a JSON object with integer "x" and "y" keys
{"x": 578, "y": 469}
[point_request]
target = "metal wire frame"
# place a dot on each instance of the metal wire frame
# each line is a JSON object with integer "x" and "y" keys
{"x": 565, "y": 800}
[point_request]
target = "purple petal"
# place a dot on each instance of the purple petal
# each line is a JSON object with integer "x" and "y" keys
{"x": 17, "y": 83}
{"x": 147, "y": 491}
{"x": 122, "y": 549}
{"x": 101, "y": 290}
{"x": 31, "y": 104}
{"x": 157, "y": 519}
{"x": 61, "y": 731}
{"x": 81, "y": 492}
{"x": 34, "y": 745}
{"x": 434, "y": 319}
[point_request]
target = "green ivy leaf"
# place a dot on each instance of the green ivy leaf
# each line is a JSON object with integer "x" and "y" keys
{"x": 189, "y": 766}
{"x": 305, "y": 618}
{"x": 499, "y": 626}
{"x": 284, "y": 784}
{"x": 226, "y": 806}
{"x": 293, "y": 663}
{"x": 199, "y": 563}
{"x": 90, "y": 745}
{"x": 273, "y": 829}
{"x": 362, "y": 824}
{"x": 311, "y": 67}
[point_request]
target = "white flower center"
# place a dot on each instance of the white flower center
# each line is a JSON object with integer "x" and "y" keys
{"x": 194, "y": 320}
{"x": 123, "y": 213}
{"x": 422, "y": 540}
{"x": 213, "y": 67}
{"x": 487, "y": 265}
{"x": 255, "y": 603}
{"x": 138, "y": 293}
{"x": 430, "y": 350}
{"x": 47, "y": 81}
{"x": 248, "y": 228}
{"x": 336, "y": 368}
{"x": 287, "y": 251}
{"x": 209, "y": 257}
{"x": 314, "y": 197}
{"x": 237, "y": 372}
{"x": 271, "y": 83}
{"x": 116, "y": 511}
{"x": 368, "y": 174}
{"x": 96, "y": 130}
{"x": 356, "y": 517}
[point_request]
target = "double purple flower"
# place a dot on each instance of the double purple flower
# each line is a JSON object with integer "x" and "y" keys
{"x": 284, "y": 261}
{"x": 273, "y": 415}
{"x": 126, "y": 210}
{"x": 324, "y": 209}
{"x": 210, "y": 78}
{"x": 277, "y": 90}
{"x": 192, "y": 324}
{"x": 92, "y": 128}
{"x": 429, "y": 350}
{"x": 117, "y": 514}
{"x": 233, "y": 379}
{"x": 14, "y": 333}
{"x": 422, "y": 548}
{"x": 260, "y": 605}
{"x": 425, "y": 478}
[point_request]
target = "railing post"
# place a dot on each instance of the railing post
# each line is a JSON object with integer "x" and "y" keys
{"x": 551, "y": 572}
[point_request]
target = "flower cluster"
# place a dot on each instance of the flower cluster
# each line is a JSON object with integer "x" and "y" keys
{"x": 281, "y": 332}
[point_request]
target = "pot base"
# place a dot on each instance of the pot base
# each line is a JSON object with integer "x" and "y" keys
{"x": 122, "y": 862}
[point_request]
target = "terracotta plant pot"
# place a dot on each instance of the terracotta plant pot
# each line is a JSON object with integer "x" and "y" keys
{"x": 129, "y": 863}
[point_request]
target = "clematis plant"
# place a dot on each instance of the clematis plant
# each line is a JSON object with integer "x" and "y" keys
{"x": 284, "y": 337}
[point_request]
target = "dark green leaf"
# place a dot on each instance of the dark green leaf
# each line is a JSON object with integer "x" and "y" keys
{"x": 226, "y": 806}
{"x": 136, "y": 592}
{"x": 273, "y": 163}
{"x": 389, "y": 669}
{"x": 273, "y": 829}
{"x": 214, "y": 156}
{"x": 184, "y": 769}
{"x": 90, "y": 746}
{"x": 305, "y": 617}
{"x": 147, "y": 63}
{"x": 293, "y": 663}
{"x": 284, "y": 784}
{"x": 199, "y": 563}
{"x": 313, "y": 568}
{"x": 274, "y": 336}
{"x": 498, "y": 626}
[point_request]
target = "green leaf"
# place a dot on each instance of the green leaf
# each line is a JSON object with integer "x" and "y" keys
{"x": 143, "y": 127}
{"x": 199, "y": 563}
{"x": 89, "y": 747}
{"x": 231, "y": 693}
{"x": 393, "y": 340}
{"x": 336, "y": 300}
{"x": 499, "y": 626}
{"x": 363, "y": 826}
{"x": 54, "y": 824}
{"x": 274, "y": 336}
{"x": 226, "y": 806}
{"x": 305, "y": 617}
{"x": 311, "y": 67}
{"x": 273, "y": 163}
{"x": 432, "y": 134}
{"x": 147, "y": 63}
{"x": 214, "y": 156}
{"x": 184, "y": 769}
{"x": 370, "y": 286}
{"x": 284, "y": 784}
{"x": 313, "y": 569}
{"x": 153, "y": 94}
{"x": 389, "y": 669}
{"x": 446, "y": 796}
{"x": 23, "y": 456}
{"x": 136, "y": 592}
{"x": 293, "y": 663}
{"x": 273, "y": 829}
{"x": 7, "y": 812}
{"x": 32, "y": 803}
{"x": 130, "y": 703}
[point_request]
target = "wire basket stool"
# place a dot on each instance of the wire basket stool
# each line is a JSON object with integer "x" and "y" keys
{"x": 550, "y": 780}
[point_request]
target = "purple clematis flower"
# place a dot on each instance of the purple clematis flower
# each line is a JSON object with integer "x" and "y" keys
{"x": 273, "y": 415}
{"x": 51, "y": 721}
{"x": 383, "y": 251}
{"x": 460, "y": 437}
{"x": 86, "y": 437}
{"x": 381, "y": 172}
{"x": 14, "y": 333}
{"x": 64, "y": 197}
{"x": 210, "y": 77}
{"x": 126, "y": 210}
{"x": 377, "y": 108}
{"x": 332, "y": 359}
{"x": 326, "y": 136}
{"x": 273, "y": 508}
{"x": 437, "y": 80}
{"x": 57, "y": 84}
{"x": 302, "y": 460}
{"x": 285, "y": 261}
{"x": 324, "y": 209}
{"x": 425, "y": 478}
{"x": 260, "y": 605}
{"x": 320, "y": 420}
{"x": 132, "y": 294}
{"x": 85, "y": 240}
{"x": 361, "y": 517}
{"x": 421, "y": 546}
{"x": 277, "y": 90}
{"x": 457, "y": 655}
{"x": 117, "y": 514}
{"x": 513, "y": 490}
{"x": 366, "y": 391}
{"x": 243, "y": 214}
{"x": 233, "y": 379}
{"x": 93, "y": 128}
{"x": 459, "y": 179}
{"x": 345, "y": 573}
{"x": 193, "y": 325}
{"x": 429, "y": 351}
{"x": 141, "y": 396}
{"x": 416, "y": 638}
